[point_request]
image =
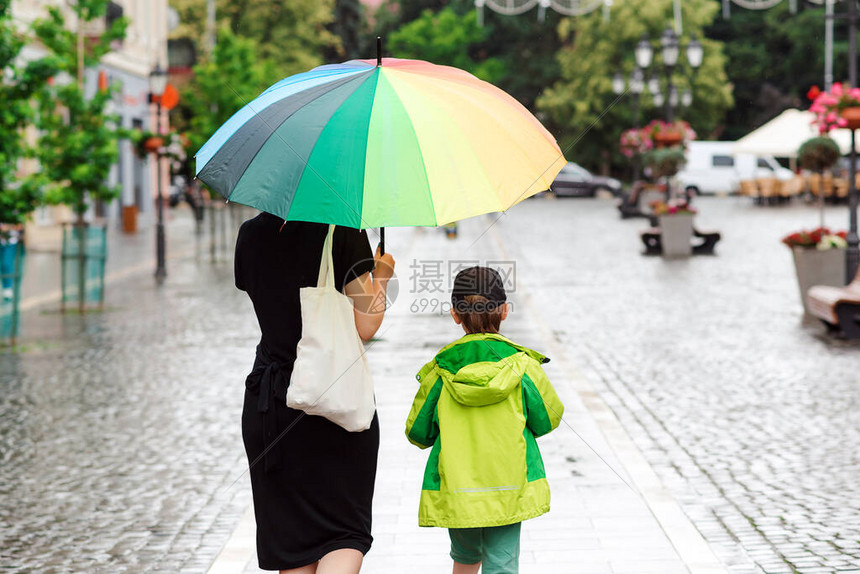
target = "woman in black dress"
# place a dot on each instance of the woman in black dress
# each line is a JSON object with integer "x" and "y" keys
{"x": 312, "y": 480}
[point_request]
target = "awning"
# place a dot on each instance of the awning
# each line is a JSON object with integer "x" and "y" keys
{"x": 783, "y": 135}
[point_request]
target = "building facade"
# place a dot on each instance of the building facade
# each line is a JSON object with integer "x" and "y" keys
{"x": 128, "y": 67}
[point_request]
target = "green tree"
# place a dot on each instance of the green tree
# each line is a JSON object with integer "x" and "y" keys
{"x": 446, "y": 38}
{"x": 291, "y": 35}
{"x": 581, "y": 105}
{"x": 78, "y": 145}
{"x": 765, "y": 83}
{"x": 347, "y": 25}
{"x": 525, "y": 47}
{"x": 223, "y": 83}
{"x": 17, "y": 198}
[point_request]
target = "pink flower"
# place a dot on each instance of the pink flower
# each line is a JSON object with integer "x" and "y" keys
{"x": 831, "y": 117}
{"x": 841, "y": 122}
{"x": 855, "y": 93}
{"x": 836, "y": 89}
{"x": 826, "y": 99}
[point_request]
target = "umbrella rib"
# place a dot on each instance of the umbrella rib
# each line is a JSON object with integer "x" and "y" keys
{"x": 307, "y": 163}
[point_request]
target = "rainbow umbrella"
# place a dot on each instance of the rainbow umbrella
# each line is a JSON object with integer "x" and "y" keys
{"x": 386, "y": 142}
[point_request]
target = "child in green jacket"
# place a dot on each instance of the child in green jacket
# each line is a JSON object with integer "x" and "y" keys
{"x": 482, "y": 401}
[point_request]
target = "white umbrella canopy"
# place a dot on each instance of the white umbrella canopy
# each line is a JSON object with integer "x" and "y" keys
{"x": 783, "y": 135}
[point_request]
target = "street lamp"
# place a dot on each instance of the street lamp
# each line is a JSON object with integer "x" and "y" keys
{"x": 643, "y": 52}
{"x": 670, "y": 51}
{"x": 157, "y": 85}
{"x": 695, "y": 52}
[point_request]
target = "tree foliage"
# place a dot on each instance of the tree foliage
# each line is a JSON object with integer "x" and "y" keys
{"x": 347, "y": 25}
{"x": 523, "y": 48}
{"x": 17, "y": 198}
{"x": 446, "y": 38}
{"x": 291, "y": 35}
{"x": 223, "y": 83}
{"x": 587, "y": 116}
{"x": 78, "y": 145}
{"x": 775, "y": 57}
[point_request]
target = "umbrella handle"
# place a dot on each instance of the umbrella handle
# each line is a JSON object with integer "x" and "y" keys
{"x": 382, "y": 241}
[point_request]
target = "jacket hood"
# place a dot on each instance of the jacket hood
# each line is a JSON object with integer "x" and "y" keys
{"x": 483, "y": 369}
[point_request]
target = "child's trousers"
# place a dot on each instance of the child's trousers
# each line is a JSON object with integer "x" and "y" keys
{"x": 496, "y": 547}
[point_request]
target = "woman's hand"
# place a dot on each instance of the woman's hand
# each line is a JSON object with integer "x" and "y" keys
{"x": 384, "y": 269}
{"x": 369, "y": 297}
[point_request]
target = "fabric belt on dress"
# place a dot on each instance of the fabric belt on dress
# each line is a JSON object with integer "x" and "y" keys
{"x": 268, "y": 380}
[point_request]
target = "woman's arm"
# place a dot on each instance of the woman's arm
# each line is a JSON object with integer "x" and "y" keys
{"x": 368, "y": 295}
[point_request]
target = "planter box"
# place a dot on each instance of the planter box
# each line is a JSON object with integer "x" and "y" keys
{"x": 11, "y": 270}
{"x": 816, "y": 267}
{"x": 676, "y": 234}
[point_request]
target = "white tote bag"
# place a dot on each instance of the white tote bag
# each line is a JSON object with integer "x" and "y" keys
{"x": 331, "y": 376}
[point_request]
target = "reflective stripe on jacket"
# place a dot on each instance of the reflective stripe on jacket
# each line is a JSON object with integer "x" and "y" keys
{"x": 482, "y": 401}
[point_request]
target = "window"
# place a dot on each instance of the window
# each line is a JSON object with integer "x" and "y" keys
{"x": 762, "y": 163}
{"x": 723, "y": 161}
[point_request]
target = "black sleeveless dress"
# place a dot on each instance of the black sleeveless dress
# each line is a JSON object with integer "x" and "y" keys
{"x": 312, "y": 481}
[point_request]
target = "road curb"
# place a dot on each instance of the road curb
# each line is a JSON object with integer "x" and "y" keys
{"x": 239, "y": 549}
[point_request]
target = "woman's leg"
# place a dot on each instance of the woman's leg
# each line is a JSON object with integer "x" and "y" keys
{"x": 343, "y": 561}
{"x": 309, "y": 569}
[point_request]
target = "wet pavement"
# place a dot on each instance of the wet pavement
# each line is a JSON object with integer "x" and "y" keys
{"x": 749, "y": 414}
{"x": 120, "y": 446}
{"x": 119, "y": 430}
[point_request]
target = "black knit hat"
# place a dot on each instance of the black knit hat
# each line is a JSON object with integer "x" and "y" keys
{"x": 482, "y": 281}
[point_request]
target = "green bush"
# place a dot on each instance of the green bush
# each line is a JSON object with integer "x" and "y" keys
{"x": 818, "y": 154}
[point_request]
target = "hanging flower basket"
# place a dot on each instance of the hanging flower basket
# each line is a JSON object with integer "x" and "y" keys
{"x": 838, "y": 108}
{"x": 635, "y": 142}
{"x": 668, "y": 139}
{"x": 153, "y": 144}
{"x": 851, "y": 116}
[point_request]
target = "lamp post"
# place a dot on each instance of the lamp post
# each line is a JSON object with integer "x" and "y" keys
{"x": 637, "y": 86}
{"x": 157, "y": 85}
{"x": 852, "y": 255}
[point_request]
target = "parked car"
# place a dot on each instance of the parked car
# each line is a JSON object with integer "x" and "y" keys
{"x": 575, "y": 180}
{"x": 712, "y": 168}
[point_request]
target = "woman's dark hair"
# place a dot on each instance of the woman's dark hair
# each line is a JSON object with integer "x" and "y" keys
{"x": 479, "y": 314}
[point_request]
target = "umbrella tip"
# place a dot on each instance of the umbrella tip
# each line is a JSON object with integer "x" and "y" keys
{"x": 379, "y": 50}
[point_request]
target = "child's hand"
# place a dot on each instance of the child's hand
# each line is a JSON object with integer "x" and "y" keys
{"x": 384, "y": 269}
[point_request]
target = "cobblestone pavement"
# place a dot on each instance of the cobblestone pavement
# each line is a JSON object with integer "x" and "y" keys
{"x": 119, "y": 431}
{"x": 750, "y": 415}
{"x": 120, "y": 445}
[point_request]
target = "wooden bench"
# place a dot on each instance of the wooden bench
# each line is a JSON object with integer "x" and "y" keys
{"x": 837, "y": 307}
{"x": 654, "y": 245}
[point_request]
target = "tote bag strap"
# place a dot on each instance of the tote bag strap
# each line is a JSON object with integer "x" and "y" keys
{"x": 326, "y": 274}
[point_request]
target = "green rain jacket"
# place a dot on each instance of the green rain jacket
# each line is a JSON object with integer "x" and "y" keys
{"x": 481, "y": 403}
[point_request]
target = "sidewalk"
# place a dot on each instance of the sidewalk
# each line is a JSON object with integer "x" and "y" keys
{"x": 128, "y": 254}
{"x": 609, "y": 514}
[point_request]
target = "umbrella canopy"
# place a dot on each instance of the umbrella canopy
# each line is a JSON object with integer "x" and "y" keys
{"x": 362, "y": 145}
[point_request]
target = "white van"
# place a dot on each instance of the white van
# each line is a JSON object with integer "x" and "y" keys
{"x": 711, "y": 168}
